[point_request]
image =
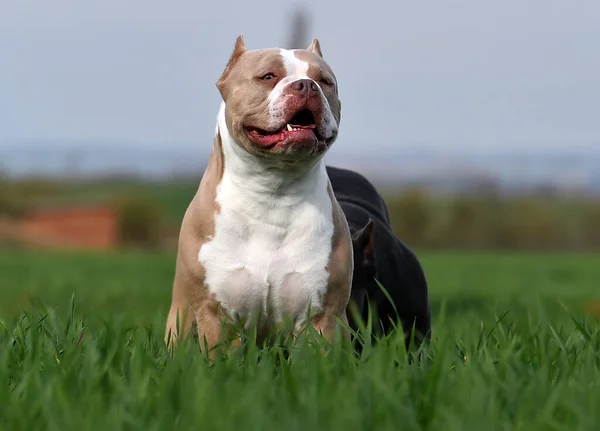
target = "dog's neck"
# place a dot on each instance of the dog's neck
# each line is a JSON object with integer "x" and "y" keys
{"x": 264, "y": 177}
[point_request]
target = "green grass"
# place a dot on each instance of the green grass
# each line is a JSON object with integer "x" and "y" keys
{"x": 512, "y": 350}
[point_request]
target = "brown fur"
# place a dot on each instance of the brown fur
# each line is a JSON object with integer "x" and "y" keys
{"x": 315, "y": 47}
{"x": 340, "y": 269}
{"x": 191, "y": 298}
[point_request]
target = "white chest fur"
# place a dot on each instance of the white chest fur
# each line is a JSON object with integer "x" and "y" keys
{"x": 268, "y": 256}
{"x": 267, "y": 260}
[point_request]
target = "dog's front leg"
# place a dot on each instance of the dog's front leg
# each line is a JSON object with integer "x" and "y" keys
{"x": 179, "y": 321}
{"x": 326, "y": 323}
{"x": 215, "y": 330}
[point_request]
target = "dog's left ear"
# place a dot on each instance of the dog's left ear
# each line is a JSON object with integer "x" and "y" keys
{"x": 238, "y": 51}
{"x": 363, "y": 240}
{"x": 315, "y": 47}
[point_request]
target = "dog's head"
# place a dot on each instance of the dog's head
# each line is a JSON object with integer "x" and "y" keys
{"x": 280, "y": 102}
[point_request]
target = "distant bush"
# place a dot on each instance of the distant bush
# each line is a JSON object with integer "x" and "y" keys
{"x": 413, "y": 214}
{"x": 590, "y": 226}
{"x": 12, "y": 204}
{"x": 527, "y": 223}
{"x": 141, "y": 222}
{"x": 16, "y": 197}
{"x": 492, "y": 221}
{"x": 39, "y": 188}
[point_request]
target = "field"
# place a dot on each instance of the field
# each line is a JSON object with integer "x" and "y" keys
{"x": 516, "y": 347}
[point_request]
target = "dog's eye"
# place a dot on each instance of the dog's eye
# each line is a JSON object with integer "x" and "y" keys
{"x": 326, "y": 81}
{"x": 268, "y": 77}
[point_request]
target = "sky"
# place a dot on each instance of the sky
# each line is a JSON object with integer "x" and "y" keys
{"x": 509, "y": 74}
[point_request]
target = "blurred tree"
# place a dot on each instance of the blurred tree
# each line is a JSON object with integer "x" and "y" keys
{"x": 411, "y": 215}
{"x": 141, "y": 221}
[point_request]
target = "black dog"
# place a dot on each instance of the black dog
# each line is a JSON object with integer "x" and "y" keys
{"x": 379, "y": 254}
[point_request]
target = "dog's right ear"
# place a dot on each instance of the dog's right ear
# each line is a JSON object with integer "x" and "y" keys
{"x": 238, "y": 50}
{"x": 363, "y": 242}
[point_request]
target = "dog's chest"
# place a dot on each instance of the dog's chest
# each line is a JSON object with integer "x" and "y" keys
{"x": 268, "y": 260}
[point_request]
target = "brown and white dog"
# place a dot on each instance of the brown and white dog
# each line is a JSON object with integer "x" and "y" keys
{"x": 264, "y": 240}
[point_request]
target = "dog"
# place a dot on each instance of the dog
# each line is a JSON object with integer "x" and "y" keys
{"x": 264, "y": 240}
{"x": 380, "y": 255}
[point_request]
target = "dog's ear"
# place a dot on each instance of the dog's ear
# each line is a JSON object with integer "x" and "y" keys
{"x": 238, "y": 50}
{"x": 315, "y": 47}
{"x": 363, "y": 242}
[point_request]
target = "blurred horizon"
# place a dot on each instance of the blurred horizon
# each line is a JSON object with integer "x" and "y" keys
{"x": 562, "y": 169}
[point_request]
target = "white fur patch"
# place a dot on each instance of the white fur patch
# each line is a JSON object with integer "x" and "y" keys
{"x": 272, "y": 241}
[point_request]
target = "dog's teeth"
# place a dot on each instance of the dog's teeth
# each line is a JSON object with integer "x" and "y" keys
{"x": 289, "y": 128}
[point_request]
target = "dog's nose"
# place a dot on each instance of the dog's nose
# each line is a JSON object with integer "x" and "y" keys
{"x": 306, "y": 86}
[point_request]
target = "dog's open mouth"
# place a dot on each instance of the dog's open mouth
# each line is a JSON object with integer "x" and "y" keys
{"x": 300, "y": 128}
